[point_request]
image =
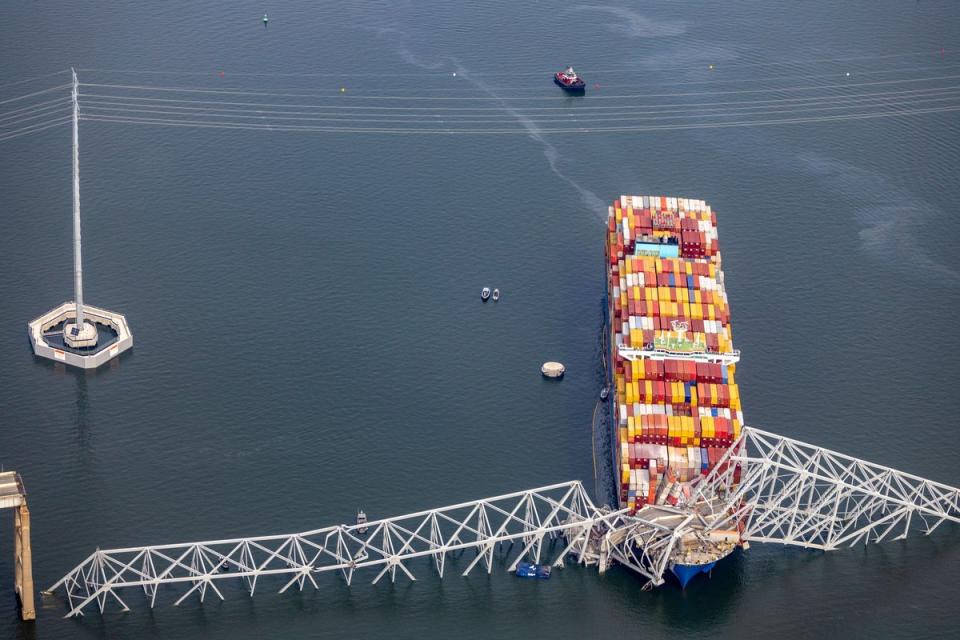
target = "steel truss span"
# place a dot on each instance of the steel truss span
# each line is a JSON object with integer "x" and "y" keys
{"x": 799, "y": 494}
{"x": 790, "y": 492}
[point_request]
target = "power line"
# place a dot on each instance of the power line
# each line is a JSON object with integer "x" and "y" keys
{"x": 607, "y": 85}
{"x": 26, "y": 118}
{"x": 35, "y": 128}
{"x": 345, "y": 96}
{"x": 46, "y": 75}
{"x": 581, "y": 107}
{"x": 521, "y": 130}
{"x": 15, "y": 112}
{"x": 35, "y": 93}
{"x": 140, "y": 109}
{"x": 503, "y": 71}
{"x": 838, "y": 101}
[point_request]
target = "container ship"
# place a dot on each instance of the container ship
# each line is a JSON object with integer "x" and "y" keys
{"x": 675, "y": 406}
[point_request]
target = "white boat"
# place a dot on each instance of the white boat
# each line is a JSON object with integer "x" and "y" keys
{"x": 496, "y": 294}
{"x": 361, "y": 520}
{"x": 485, "y": 294}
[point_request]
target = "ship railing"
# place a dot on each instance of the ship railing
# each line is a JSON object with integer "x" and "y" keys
{"x": 725, "y": 358}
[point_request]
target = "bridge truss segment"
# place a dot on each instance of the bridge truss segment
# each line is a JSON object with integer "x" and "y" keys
{"x": 528, "y": 519}
{"x": 799, "y": 494}
{"x": 788, "y": 492}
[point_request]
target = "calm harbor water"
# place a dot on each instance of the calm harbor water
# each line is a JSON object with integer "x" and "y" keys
{"x": 309, "y": 337}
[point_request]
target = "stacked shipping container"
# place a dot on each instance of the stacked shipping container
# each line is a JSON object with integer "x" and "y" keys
{"x": 674, "y": 417}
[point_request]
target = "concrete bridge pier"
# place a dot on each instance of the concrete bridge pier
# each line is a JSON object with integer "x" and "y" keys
{"x": 13, "y": 496}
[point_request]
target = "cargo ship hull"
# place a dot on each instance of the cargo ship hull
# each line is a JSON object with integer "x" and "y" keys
{"x": 675, "y": 405}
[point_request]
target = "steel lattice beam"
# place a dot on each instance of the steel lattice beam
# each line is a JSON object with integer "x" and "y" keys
{"x": 528, "y": 518}
{"x": 799, "y": 494}
{"x": 767, "y": 487}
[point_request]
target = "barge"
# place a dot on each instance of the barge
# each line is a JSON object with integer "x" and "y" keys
{"x": 675, "y": 406}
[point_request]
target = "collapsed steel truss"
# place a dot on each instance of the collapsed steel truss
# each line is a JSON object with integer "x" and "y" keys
{"x": 799, "y": 494}
{"x": 789, "y": 492}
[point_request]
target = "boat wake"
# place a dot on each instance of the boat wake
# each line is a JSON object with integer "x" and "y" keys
{"x": 635, "y": 25}
{"x": 590, "y": 199}
{"x": 550, "y": 152}
{"x": 889, "y": 216}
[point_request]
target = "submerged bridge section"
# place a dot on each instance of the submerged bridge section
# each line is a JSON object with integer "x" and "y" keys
{"x": 789, "y": 492}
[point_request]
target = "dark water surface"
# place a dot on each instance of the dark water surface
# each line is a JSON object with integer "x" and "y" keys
{"x": 309, "y": 337}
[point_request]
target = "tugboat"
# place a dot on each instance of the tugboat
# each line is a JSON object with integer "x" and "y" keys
{"x": 496, "y": 294}
{"x": 569, "y": 81}
{"x": 361, "y": 520}
{"x": 485, "y": 294}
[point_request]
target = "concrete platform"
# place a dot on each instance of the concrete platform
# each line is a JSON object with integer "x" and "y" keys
{"x": 82, "y": 356}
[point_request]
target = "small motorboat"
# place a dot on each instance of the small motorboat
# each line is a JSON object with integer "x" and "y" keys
{"x": 496, "y": 294}
{"x": 605, "y": 393}
{"x": 361, "y": 521}
{"x": 569, "y": 81}
{"x": 485, "y": 294}
{"x": 530, "y": 570}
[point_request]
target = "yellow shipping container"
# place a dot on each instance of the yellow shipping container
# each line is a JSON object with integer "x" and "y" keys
{"x": 706, "y": 427}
